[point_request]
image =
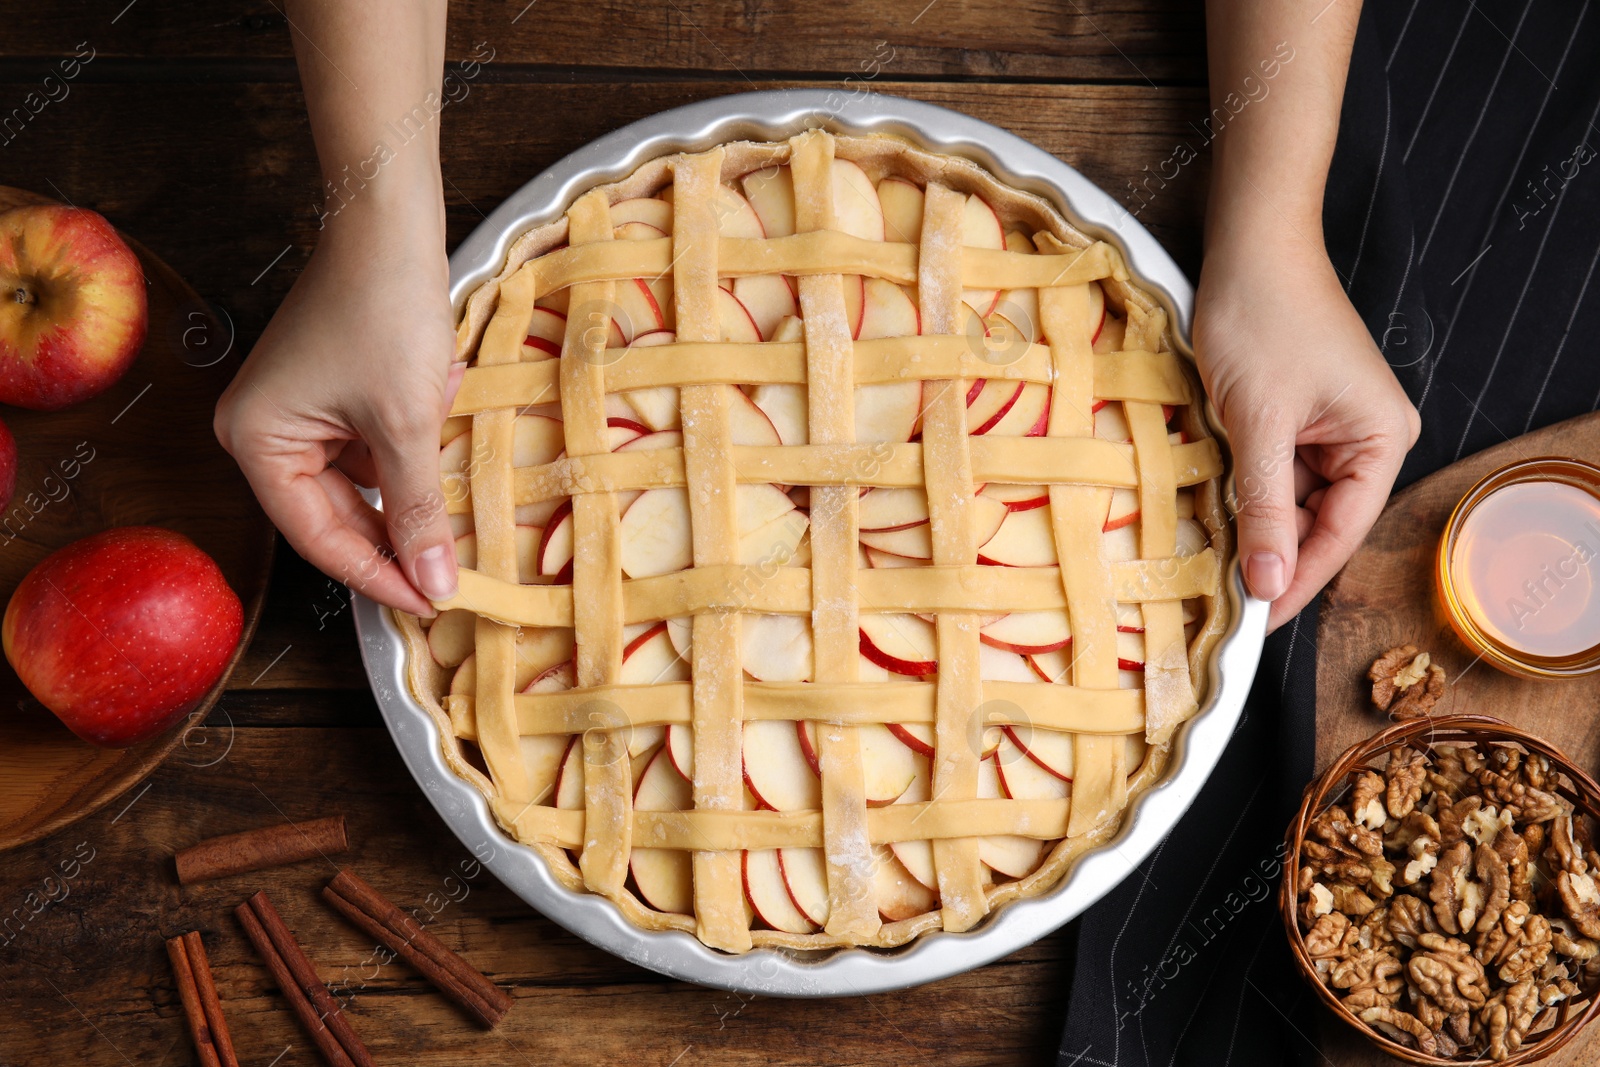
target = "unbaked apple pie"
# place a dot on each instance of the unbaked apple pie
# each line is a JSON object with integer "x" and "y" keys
{"x": 840, "y": 540}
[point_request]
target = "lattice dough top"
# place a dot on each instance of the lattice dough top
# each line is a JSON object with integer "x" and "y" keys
{"x": 840, "y": 544}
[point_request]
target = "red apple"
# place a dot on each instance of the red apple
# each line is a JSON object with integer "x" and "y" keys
{"x": 8, "y": 466}
{"x": 121, "y": 634}
{"x": 73, "y": 315}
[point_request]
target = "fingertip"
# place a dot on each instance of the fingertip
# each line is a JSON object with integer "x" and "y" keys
{"x": 435, "y": 572}
{"x": 1267, "y": 575}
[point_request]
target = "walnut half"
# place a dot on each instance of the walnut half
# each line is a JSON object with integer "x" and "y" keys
{"x": 1406, "y": 683}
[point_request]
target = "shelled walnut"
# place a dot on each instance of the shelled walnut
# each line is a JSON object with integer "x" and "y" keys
{"x": 1452, "y": 900}
{"x": 1406, "y": 683}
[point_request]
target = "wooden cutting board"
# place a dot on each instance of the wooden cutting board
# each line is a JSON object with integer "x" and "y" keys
{"x": 1385, "y": 597}
{"x": 140, "y": 453}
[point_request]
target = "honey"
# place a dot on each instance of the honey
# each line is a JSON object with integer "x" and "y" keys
{"x": 1519, "y": 568}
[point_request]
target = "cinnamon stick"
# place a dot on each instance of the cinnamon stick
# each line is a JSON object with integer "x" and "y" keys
{"x": 271, "y": 846}
{"x": 207, "y": 1030}
{"x": 319, "y": 1015}
{"x": 212, "y": 1005}
{"x": 391, "y": 927}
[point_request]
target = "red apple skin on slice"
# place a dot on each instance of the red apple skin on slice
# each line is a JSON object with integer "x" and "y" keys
{"x": 898, "y": 894}
{"x": 917, "y": 736}
{"x": 1025, "y": 778}
{"x": 901, "y": 202}
{"x": 805, "y": 873}
{"x": 770, "y": 192}
{"x": 654, "y": 213}
{"x": 901, "y": 644}
{"x": 990, "y": 404}
{"x": 917, "y": 858}
{"x": 769, "y": 896}
{"x": 1029, "y": 632}
{"x": 776, "y": 770}
{"x": 768, "y": 298}
{"x": 1024, "y": 539}
{"x": 1006, "y": 854}
{"x": 664, "y": 877}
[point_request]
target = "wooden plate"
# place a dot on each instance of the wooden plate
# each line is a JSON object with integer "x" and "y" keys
{"x": 140, "y": 453}
{"x": 1384, "y": 597}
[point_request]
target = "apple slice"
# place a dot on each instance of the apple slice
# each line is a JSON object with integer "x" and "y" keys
{"x": 776, "y": 648}
{"x": 770, "y": 192}
{"x": 1050, "y": 750}
{"x": 555, "y": 547}
{"x": 451, "y": 638}
{"x": 1024, "y": 778}
{"x": 660, "y": 287}
{"x": 899, "y": 895}
{"x": 805, "y": 873}
{"x": 1121, "y": 544}
{"x": 680, "y": 632}
{"x": 636, "y": 311}
{"x": 917, "y": 736}
{"x": 650, "y": 658}
{"x": 901, "y": 202}
{"x": 1027, "y": 416}
{"x": 776, "y": 770}
{"x": 769, "y": 896}
{"x": 899, "y": 643}
{"x": 735, "y": 216}
{"x": 1017, "y": 497}
{"x": 916, "y": 542}
{"x": 644, "y": 209}
{"x": 680, "y": 749}
{"x": 1192, "y": 539}
{"x": 637, "y": 231}
{"x": 528, "y": 540}
{"x": 1005, "y": 854}
{"x": 1185, "y": 503}
{"x": 1020, "y": 307}
{"x": 876, "y": 558}
{"x": 1124, "y": 508}
{"x": 620, "y": 431}
{"x": 1113, "y": 330}
{"x": 892, "y": 508}
{"x": 734, "y": 320}
{"x": 466, "y": 556}
{"x": 887, "y": 411}
{"x": 889, "y": 766}
{"x": 856, "y": 208}
{"x": 747, "y": 423}
{"x": 1029, "y": 632}
{"x": 781, "y": 542}
{"x": 917, "y": 858}
{"x": 980, "y": 228}
{"x": 991, "y": 402}
{"x": 768, "y": 298}
{"x": 569, "y": 780}
{"x": 1130, "y": 651}
{"x": 887, "y": 311}
{"x": 1024, "y": 539}
{"x": 536, "y": 440}
{"x": 855, "y": 301}
{"x": 665, "y": 877}
{"x": 538, "y": 514}
{"x": 787, "y": 408}
{"x": 1110, "y": 424}
{"x": 539, "y": 649}
{"x": 546, "y": 329}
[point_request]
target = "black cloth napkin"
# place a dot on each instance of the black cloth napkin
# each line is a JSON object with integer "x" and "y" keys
{"x": 1463, "y": 212}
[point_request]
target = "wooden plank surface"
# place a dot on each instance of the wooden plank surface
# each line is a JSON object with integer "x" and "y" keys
{"x": 188, "y": 129}
{"x": 1384, "y": 597}
{"x": 1140, "y": 41}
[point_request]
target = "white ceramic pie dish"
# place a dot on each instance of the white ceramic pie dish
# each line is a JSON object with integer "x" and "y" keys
{"x": 1150, "y": 816}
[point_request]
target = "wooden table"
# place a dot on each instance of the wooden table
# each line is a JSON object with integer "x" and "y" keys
{"x": 187, "y": 128}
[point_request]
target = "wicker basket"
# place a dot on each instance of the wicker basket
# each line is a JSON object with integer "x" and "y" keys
{"x": 1423, "y": 734}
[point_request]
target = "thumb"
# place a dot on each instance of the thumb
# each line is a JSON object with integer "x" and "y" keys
{"x": 414, "y": 508}
{"x": 1264, "y": 506}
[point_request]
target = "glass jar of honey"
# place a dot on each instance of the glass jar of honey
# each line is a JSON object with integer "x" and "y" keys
{"x": 1519, "y": 568}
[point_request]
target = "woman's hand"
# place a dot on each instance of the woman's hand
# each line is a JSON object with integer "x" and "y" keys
{"x": 1319, "y": 425}
{"x": 349, "y": 386}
